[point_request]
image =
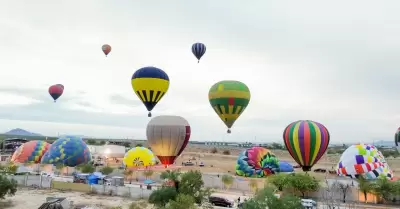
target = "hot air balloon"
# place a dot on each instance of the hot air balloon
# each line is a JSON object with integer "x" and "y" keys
{"x": 198, "y": 49}
{"x": 67, "y": 150}
{"x": 257, "y": 162}
{"x": 150, "y": 84}
{"x": 138, "y": 157}
{"x": 56, "y": 91}
{"x": 397, "y": 139}
{"x": 363, "y": 160}
{"x": 106, "y": 49}
{"x": 30, "y": 152}
{"x": 306, "y": 142}
{"x": 167, "y": 137}
{"x": 229, "y": 99}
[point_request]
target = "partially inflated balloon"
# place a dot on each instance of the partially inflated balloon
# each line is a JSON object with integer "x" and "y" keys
{"x": 397, "y": 139}
{"x": 106, "y": 49}
{"x": 30, "y": 152}
{"x": 198, "y": 50}
{"x": 363, "y": 160}
{"x": 150, "y": 84}
{"x": 139, "y": 156}
{"x": 306, "y": 142}
{"x": 67, "y": 150}
{"x": 167, "y": 137}
{"x": 257, "y": 162}
{"x": 229, "y": 99}
{"x": 56, "y": 91}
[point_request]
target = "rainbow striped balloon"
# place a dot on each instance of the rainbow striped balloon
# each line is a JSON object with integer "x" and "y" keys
{"x": 306, "y": 142}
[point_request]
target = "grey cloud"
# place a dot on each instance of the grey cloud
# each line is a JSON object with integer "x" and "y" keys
{"x": 121, "y": 100}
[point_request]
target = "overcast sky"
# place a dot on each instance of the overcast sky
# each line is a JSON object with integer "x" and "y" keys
{"x": 334, "y": 62}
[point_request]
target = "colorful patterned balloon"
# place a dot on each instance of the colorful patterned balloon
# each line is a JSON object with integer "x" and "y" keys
{"x": 397, "y": 139}
{"x": 69, "y": 151}
{"x": 30, "y": 152}
{"x": 257, "y": 162}
{"x": 363, "y": 160}
{"x": 139, "y": 157}
{"x": 229, "y": 99}
{"x": 306, "y": 142}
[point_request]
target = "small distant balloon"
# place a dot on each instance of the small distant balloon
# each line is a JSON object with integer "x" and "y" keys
{"x": 56, "y": 91}
{"x": 106, "y": 49}
{"x": 198, "y": 50}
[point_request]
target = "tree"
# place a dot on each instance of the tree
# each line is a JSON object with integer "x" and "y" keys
{"x": 102, "y": 142}
{"x": 280, "y": 180}
{"x": 127, "y": 144}
{"x": 86, "y": 168}
{"x": 139, "y": 145}
{"x": 91, "y": 142}
{"x": 303, "y": 183}
{"x": 265, "y": 198}
{"x": 128, "y": 175}
{"x": 107, "y": 170}
{"x": 343, "y": 188}
{"x": 173, "y": 176}
{"x": 227, "y": 180}
{"x": 182, "y": 201}
{"x": 7, "y": 186}
{"x": 226, "y": 152}
{"x": 192, "y": 184}
{"x": 383, "y": 188}
{"x": 12, "y": 168}
{"x": 148, "y": 173}
{"x": 214, "y": 150}
{"x": 162, "y": 196}
{"x": 253, "y": 185}
{"x": 365, "y": 187}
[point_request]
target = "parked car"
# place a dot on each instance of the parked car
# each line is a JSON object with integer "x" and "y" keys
{"x": 220, "y": 201}
{"x": 308, "y": 203}
{"x": 188, "y": 163}
{"x": 201, "y": 164}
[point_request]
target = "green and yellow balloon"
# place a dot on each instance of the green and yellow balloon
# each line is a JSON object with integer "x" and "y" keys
{"x": 229, "y": 99}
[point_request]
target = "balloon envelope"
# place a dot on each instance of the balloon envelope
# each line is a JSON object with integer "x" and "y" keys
{"x": 285, "y": 167}
{"x": 306, "y": 142}
{"x": 363, "y": 160}
{"x": 138, "y": 157}
{"x": 198, "y": 50}
{"x": 30, "y": 152}
{"x": 150, "y": 84}
{"x": 168, "y": 136}
{"x": 229, "y": 99}
{"x": 257, "y": 162}
{"x": 106, "y": 49}
{"x": 69, "y": 151}
{"x": 56, "y": 91}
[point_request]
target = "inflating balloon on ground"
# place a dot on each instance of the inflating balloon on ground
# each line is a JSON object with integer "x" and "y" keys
{"x": 363, "y": 160}
{"x": 257, "y": 162}
{"x": 30, "y": 152}
{"x": 139, "y": 157}
{"x": 69, "y": 151}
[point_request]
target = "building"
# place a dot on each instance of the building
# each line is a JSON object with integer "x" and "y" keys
{"x": 11, "y": 144}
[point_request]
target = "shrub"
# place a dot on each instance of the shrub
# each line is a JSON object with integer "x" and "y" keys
{"x": 226, "y": 152}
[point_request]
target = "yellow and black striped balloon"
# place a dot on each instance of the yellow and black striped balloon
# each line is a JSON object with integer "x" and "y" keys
{"x": 150, "y": 84}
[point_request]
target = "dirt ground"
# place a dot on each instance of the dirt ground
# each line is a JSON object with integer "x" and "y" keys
{"x": 26, "y": 198}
